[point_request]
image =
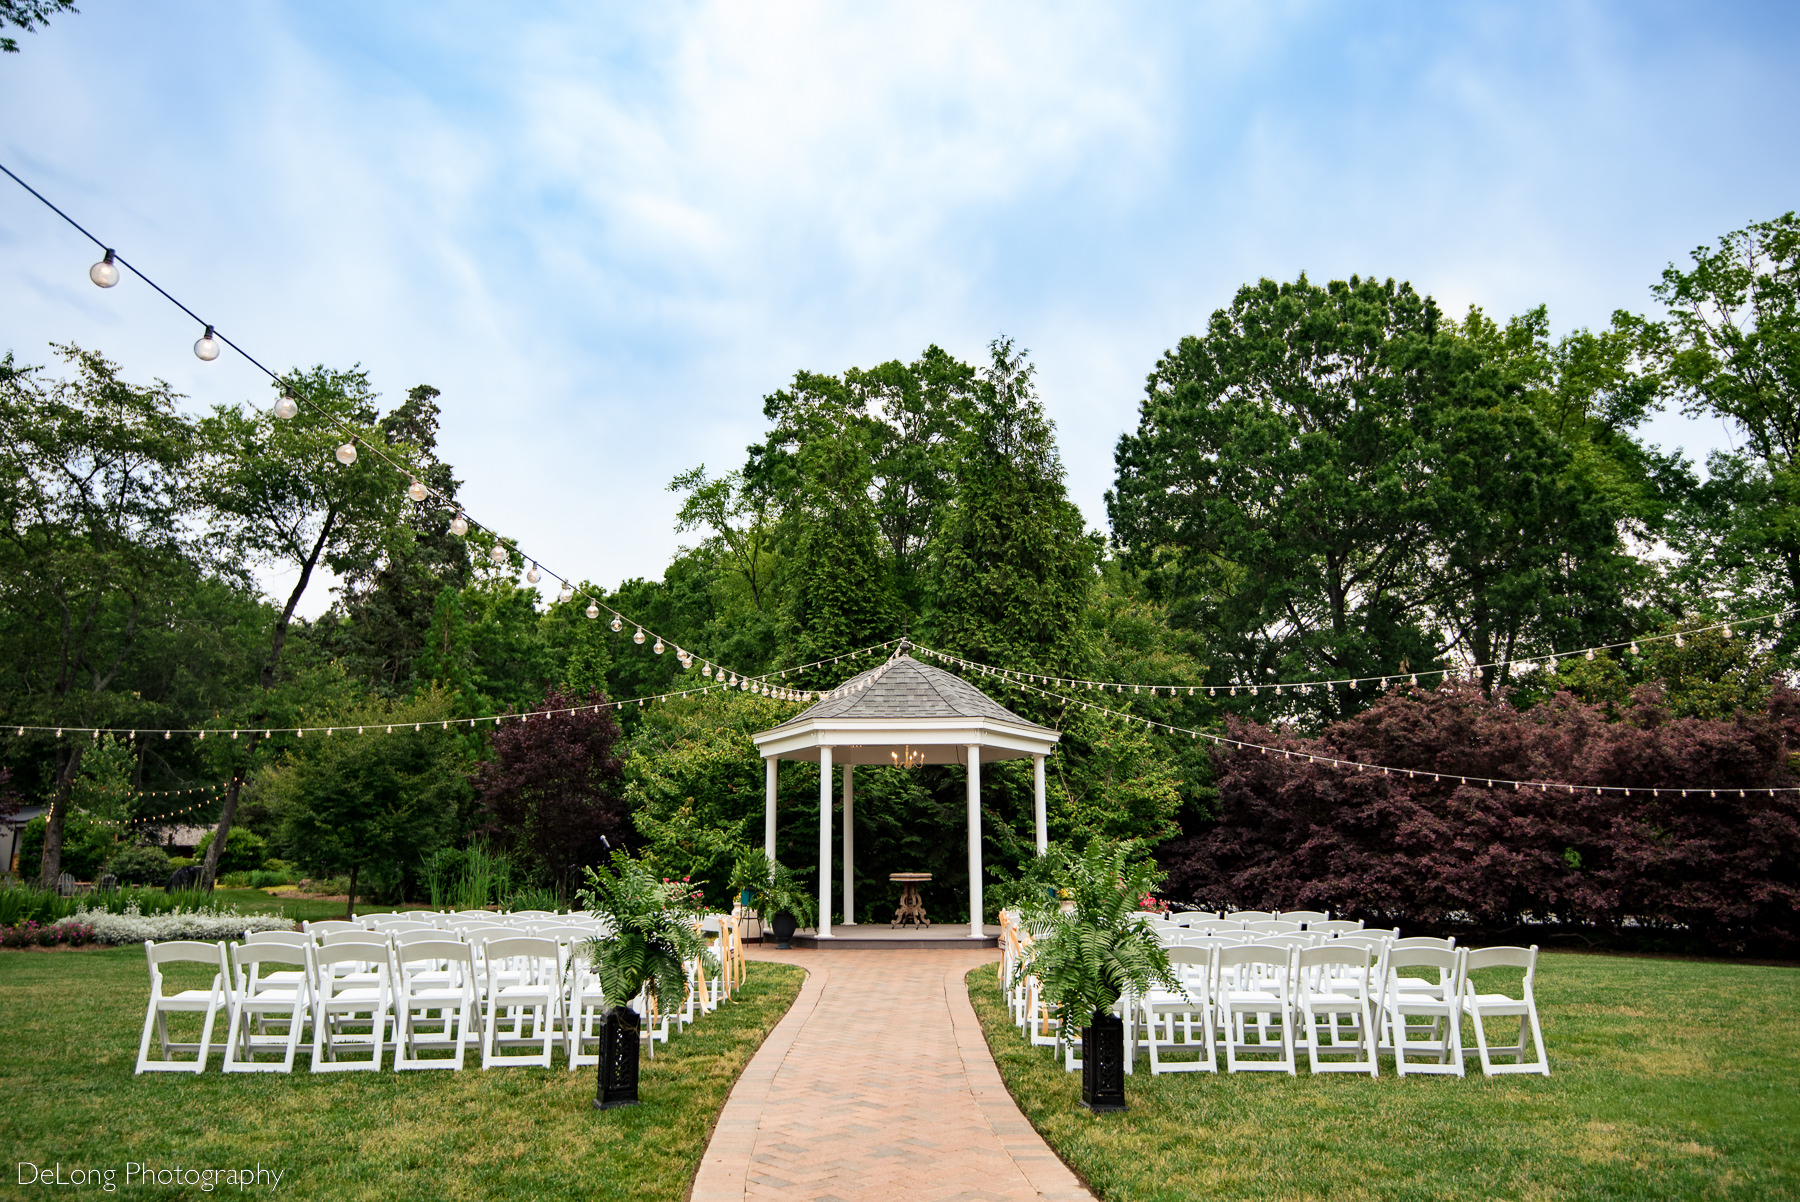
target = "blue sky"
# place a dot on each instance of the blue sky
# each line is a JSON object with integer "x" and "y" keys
{"x": 606, "y": 231}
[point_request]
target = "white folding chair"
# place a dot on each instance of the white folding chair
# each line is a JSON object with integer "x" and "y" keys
{"x": 434, "y": 974}
{"x": 1333, "y": 983}
{"x": 1249, "y": 915}
{"x": 284, "y": 997}
{"x": 1273, "y": 926}
{"x": 187, "y": 1001}
{"x": 1336, "y": 926}
{"x": 342, "y": 1001}
{"x": 1305, "y": 918}
{"x": 1161, "y": 1007}
{"x": 1408, "y": 999}
{"x": 1480, "y": 1006}
{"x": 1251, "y": 979}
{"x": 524, "y": 980}
{"x": 327, "y": 926}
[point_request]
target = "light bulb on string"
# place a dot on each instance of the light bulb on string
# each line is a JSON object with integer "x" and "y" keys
{"x": 568, "y": 591}
{"x": 532, "y": 575}
{"x": 207, "y": 348}
{"x": 705, "y": 670}
{"x": 658, "y": 648}
{"x": 105, "y": 273}
{"x": 497, "y": 554}
{"x": 287, "y": 406}
{"x": 616, "y": 624}
{"x": 459, "y": 525}
{"x": 416, "y": 490}
{"x": 593, "y": 611}
{"x": 346, "y": 454}
{"x": 638, "y": 638}
{"x": 1680, "y": 642}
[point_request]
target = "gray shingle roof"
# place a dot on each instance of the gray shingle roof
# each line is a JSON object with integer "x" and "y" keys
{"x": 903, "y": 689}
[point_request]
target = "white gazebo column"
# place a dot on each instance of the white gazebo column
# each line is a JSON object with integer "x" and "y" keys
{"x": 1043, "y": 816}
{"x": 849, "y": 844}
{"x": 769, "y": 805}
{"x": 825, "y": 842}
{"x": 975, "y": 930}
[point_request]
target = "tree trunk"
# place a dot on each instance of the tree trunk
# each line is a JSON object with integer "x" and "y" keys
{"x": 350, "y": 902}
{"x": 209, "y": 872}
{"x": 50, "y": 866}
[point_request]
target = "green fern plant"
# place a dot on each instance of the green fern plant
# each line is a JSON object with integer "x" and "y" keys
{"x": 1084, "y": 960}
{"x": 654, "y": 930}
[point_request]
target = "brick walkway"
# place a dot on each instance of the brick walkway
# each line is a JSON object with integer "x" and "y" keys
{"x": 878, "y": 1084}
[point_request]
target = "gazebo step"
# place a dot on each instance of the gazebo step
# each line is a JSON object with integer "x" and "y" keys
{"x": 883, "y": 938}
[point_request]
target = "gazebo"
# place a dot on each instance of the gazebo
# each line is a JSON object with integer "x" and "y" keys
{"x": 907, "y": 713}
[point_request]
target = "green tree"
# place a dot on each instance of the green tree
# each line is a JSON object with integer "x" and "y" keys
{"x": 280, "y": 498}
{"x": 1011, "y": 566}
{"x": 1732, "y": 349}
{"x": 94, "y": 549}
{"x": 27, "y": 15}
{"x": 372, "y": 803}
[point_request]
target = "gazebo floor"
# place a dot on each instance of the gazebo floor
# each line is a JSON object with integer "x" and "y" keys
{"x": 881, "y": 937}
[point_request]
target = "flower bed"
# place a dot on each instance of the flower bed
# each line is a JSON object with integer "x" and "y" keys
{"x": 206, "y": 924}
{"x": 69, "y": 932}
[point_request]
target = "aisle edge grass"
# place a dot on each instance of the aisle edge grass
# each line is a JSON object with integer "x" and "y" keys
{"x": 1669, "y": 1079}
{"x": 72, "y": 1025}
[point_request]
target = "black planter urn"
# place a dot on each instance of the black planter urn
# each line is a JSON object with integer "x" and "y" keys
{"x": 1103, "y": 1063}
{"x": 783, "y": 925}
{"x": 618, "y": 1059}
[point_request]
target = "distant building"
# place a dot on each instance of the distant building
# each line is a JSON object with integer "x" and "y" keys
{"x": 11, "y": 831}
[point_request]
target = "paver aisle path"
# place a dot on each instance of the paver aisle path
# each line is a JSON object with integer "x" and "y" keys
{"x": 878, "y": 1084}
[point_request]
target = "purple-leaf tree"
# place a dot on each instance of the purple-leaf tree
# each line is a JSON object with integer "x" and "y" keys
{"x": 554, "y": 787}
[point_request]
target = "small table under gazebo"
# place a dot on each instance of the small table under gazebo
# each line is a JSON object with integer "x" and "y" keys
{"x": 901, "y": 712}
{"x": 912, "y": 908}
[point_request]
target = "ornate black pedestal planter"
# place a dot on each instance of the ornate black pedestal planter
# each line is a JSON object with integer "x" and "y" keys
{"x": 618, "y": 1059}
{"x": 1103, "y": 1063}
{"x": 783, "y": 925}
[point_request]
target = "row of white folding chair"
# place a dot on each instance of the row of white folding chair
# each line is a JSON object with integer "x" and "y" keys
{"x": 1339, "y": 997}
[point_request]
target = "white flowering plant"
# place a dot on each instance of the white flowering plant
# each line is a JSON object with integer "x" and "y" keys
{"x": 209, "y": 924}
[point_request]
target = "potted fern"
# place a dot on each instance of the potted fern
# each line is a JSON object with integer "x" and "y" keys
{"x": 1086, "y": 957}
{"x": 654, "y": 930}
{"x": 774, "y": 893}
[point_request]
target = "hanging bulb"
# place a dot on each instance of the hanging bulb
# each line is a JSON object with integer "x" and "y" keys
{"x": 346, "y": 454}
{"x": 1634, "y": 648}
{"x": 208, "y": 346}
{"x": 415, "y": 490}
{"x": 497, "y": 554}
{"x": 459, "y": 525}
{"x": 616, "y": 624}
{"x": 593, "y": 611}
{"x": 638, "y": 638}
{"x": 566, "y": 592}
{"x": 1415, "y": 679}
{"x": 105, "y": 273}
{"x": 1590, "y": 653}
{"x": 532, "y": 575}
{"x": 287, "y": 406}
{"x": 1680, "y": 642}
{"x": 658, "y": 648}
{"x": 706, "y": 670}
{"x": 1726, "y": 630}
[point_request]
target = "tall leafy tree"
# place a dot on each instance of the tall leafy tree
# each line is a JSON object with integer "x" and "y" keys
{"x": 94, "y": 548}
{"x": 1732, "y": 349}
{"x": 26, "y": 16}
{"x": 1012, "y": 567}
{"x": 280, "y": 498}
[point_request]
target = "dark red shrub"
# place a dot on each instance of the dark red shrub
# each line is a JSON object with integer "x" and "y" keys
{"x": 552, "y": 790}
{"x": 1427, "y": 849}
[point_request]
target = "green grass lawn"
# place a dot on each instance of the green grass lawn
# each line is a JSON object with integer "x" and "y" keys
{"x": 255, "y": 901}
{"x": 69, "y": 1027}
{"x": 1668, "y": 1080}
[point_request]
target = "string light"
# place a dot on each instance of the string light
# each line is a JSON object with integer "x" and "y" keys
{"x": 616, "y": 624}
{"x": 459, "y": 525}
{"x": 415, "y": 490}
{"x": 105, "y": 273}
{"x": 638, "y": 638}
{"x": 593, "y": 611}
{"x": 532, "y": 575}
{"x": 659, "y": 643}
{"x": 566, "y": 592}
{"x": 497, "y": 555}
{"x": 207, "y": 348}
{"x": 346, "y": 454}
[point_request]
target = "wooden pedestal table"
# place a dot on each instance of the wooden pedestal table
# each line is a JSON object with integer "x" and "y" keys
{"x": 912, "y": 910}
